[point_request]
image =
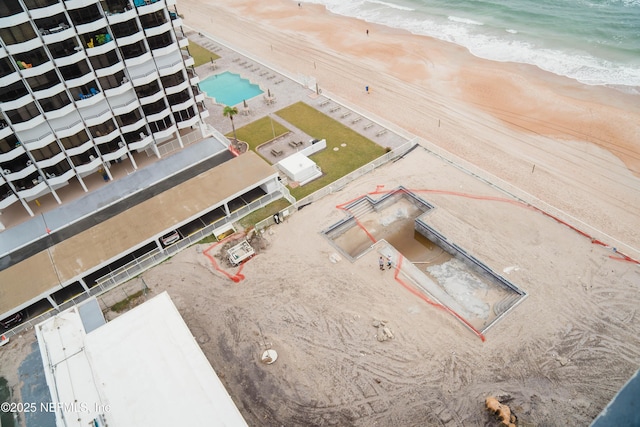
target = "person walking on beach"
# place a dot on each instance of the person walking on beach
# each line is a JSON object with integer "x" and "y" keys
{"x": 381, "y": 262}
{"x": 367, "y": 31}
{"x": 389, "y": 262}
{"x": 367, "y": 89}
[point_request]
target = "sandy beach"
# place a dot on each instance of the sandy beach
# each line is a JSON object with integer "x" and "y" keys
{"x": 575, "y": 147}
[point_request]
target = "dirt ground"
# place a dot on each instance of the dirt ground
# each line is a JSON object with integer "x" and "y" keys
{"x": 557, "y": 358}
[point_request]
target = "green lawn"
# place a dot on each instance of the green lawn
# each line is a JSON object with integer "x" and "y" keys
{"x": 201, "y": 55}
{"x": 256, "y": 216}
{"x": 259, "y": 132}
{"x": 334, "y": 164}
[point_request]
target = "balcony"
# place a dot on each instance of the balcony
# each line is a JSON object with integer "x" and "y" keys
{"x": 96, "y": 115}
{"x": 95, "y": 48}
{"x": 144, "y": 141}
{"x": 37, "y": 138}
{"x": 58, "y": 181}
{"x": 37, "y": 70}
{"x": 92, "y": 27}
{"x": 103, "y": 139}
{"x": 143, "y": 58}
{"x": 9, "y": 79}
{"x": 116, "y": 154}
{"x": 8, "y": 200}
{"x": 5, "y": 130}
{"x": 20, "y": 174}
{"x": 165, "y": 133}
{"x": 48, "y": 92}
{"x": 91, "y": 98}
{"x": 17, "y": 103}
{"x": 52, "y": 9}
{"x": 165, "y": 50}
{"x": 170, "y": 90}
{"x": 89, "y": 168}
{"x": 28, "y": 124}
{"x": 60, "y": 112}
{"x": 57, "y": 34}
{"x": 75, "y": 151}
{"x": 158, "y": 29}
{"x": 10, "y": 155}
{"x": 151, "y": 98}
{"x": 124, "y": 104}
{"x": 67, "y": 126}
{"x": 183, "y": 42}
{"x": 35, "y": 191}
{"x": 132, "y": 39}
{"x": 118, "y": 90}
{"x": 183, "y": 124}
{"x": 148, "y": 6}
{"x": 143, "y": 75}
{"x": 110, "y": 70}
{"x": 189, "y": 102}
{"x": 131, "y": 127}
{"x": 73, "y": 58}
{"x": 51, "y": 161}
{"x": 116, "y": 17}
{"x": 158, "y": 114}
{"x": 168, "y": 65}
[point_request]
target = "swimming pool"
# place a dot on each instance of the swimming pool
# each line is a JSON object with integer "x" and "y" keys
{"x": 229, "y": 89}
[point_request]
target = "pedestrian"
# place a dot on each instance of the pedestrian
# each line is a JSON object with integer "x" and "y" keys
{"x": 389, "y": 262}
{"x": 381, "y": 262}
{"x": 367, "y": 31}
{"x": 366, "y": 88}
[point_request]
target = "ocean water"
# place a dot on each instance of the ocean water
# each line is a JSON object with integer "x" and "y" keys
{"x": 596, "y": 42}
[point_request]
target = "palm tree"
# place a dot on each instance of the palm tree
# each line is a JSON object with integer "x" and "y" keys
{"x": 230, "y": 112}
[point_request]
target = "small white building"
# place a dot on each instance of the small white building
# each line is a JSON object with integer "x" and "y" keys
{"x": 299, "y": 168}
{"x": 142, "y": 369}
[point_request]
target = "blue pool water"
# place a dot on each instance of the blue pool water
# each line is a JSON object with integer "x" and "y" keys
{"x": 229, "y": 89}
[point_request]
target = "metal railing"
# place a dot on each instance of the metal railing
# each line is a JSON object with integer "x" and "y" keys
{"x": 143, "y": 263}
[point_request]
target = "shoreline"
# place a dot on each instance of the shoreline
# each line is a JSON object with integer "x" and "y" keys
{"x": 505, "y": 118}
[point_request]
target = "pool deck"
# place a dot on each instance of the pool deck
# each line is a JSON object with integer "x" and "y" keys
{"x": 286, "y": 91}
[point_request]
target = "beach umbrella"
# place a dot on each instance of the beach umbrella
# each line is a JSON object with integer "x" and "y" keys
{"x": 244, "y": 101}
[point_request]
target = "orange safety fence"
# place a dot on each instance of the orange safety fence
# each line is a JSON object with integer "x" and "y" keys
{"x": 429, "y": 301}
{"x": 238, "y": 276}
{"x": 619, "y": 256}
{"x": 380, "y": 190}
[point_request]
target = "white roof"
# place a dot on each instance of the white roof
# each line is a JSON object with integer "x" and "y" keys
{"x": 295, "y": 163}
{"x": 142, "y": 369}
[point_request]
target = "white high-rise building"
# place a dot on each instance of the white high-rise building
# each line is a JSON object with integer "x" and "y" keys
{"x": 86, "y": 83}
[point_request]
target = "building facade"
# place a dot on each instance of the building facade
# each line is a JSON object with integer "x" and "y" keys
{"x": 86, "y": 83}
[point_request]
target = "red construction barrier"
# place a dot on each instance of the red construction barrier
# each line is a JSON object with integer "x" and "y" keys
{"x": 619, "y": 255}
{"x": 422, "y": 296}
{"x": 238, "y": 276}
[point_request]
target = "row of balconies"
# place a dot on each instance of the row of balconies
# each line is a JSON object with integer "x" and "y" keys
{"x": 82, "y": 11}
{"x": 41, "y": 177}
{"x": 42, "y": 143}
{"x": 87, "y": 91}
{"x": 37, "y": 62}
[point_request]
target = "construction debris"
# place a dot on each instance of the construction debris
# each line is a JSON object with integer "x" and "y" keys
{"x": 503, "y": 412}
{"x": 384, "y": 333}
